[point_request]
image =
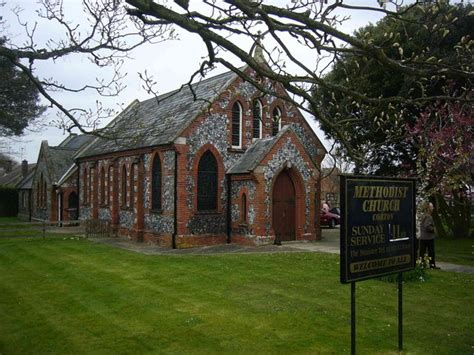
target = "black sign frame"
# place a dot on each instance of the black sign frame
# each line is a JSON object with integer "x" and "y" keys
{"x": 392, "y": 241}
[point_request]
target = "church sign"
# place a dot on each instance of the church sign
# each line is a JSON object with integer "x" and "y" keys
{"x": 377, "y": 227}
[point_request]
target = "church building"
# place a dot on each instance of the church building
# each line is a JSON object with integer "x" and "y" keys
{"x": 214, "y": 162}
{"x": 52, "y": 186}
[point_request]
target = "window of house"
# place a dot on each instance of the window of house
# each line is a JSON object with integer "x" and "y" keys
{"x": 156, "y": 184}
{"x": 124, "y": 187}
{"x": 102, "y": 186}
{"x": 276, "y": 119}
{"x": 257, "y": 119}
{"x": 244, "y": 208}
{"x": 207, "y": 183}
{"x": 237, "y": 125}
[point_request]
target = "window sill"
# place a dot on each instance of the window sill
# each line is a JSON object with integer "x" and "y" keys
{"x": 160, "y": 211}
{"x": 209, "y": 213}
{"x": 236, "y": 150}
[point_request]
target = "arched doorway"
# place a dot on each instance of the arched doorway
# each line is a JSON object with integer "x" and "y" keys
{"x": 284, "y": 206}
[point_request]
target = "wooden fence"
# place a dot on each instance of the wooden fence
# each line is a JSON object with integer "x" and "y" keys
{"x": 97, "y": 228}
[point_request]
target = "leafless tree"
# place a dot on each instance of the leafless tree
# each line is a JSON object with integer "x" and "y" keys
{"x": 233, "y": 31}
{"x": 314, "y": 27}
{"x": 104, "y": 34}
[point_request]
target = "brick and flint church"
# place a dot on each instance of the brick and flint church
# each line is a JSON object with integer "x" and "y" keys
{"x": 218, "y": 162}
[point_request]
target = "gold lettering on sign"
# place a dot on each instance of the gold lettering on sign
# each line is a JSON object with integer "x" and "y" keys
{"x": 369, "y": 265}
{"x": 380, "y": 192}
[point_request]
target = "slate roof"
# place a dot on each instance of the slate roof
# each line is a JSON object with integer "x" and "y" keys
{"x": 15, "y": 176}
{"x": 75, "y": 141}
{"x": 255, "y": 153}
{"x": 159, "y": 120}
{"x": 60, "y": 158}
{"x": 27, "y": 182}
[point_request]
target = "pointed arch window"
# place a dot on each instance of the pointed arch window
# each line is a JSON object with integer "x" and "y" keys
{"x": 207, "y": 183}
{"x": 102, "y": 186}
{"x": 156, "y": 184}
{"x": 38, "y": 194}
{"x": 45, "y": 194}
{"x": 276, "y": 121}
{"x": 243, "y": 203}
{"x": 132, "y": 185}
{"x": 41, "y": 195}
{"x": 89, "y": 184}
{"x": 257, "y": 119}
{"x": 110, "y": 186}
{"x": 237, "y": 125}
{"x": 86, "y": 186}
{"x": 123, "y": 189}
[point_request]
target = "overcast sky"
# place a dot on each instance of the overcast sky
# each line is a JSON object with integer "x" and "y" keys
{"x": 171, "y": 63}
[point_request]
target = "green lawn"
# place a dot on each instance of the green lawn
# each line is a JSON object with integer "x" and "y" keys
{"x": 8, "y": 220}
{"x": 456, "y": 251}
{"x": 74, "y": 296}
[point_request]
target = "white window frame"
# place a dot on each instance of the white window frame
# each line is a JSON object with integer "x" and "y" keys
{"x": 241, "y": 112}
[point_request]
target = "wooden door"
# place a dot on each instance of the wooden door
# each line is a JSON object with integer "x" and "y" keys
{"x": 284, "y": 208}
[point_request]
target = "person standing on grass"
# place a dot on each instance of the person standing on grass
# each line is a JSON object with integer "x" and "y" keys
{"x": 427, "y": 234}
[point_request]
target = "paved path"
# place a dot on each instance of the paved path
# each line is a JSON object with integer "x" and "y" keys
{"x": 329, "y": 244}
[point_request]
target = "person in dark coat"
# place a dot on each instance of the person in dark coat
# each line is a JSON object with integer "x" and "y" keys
{"x": 428, "y": 234}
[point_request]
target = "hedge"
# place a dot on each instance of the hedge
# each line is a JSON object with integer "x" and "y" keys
{"x": 8, "y": 201}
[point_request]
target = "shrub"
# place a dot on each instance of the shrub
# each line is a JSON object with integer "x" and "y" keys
{"x": 418, "y": 274}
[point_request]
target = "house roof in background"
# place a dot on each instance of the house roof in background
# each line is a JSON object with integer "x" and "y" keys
{"x": 27, "y": 182}
{"x": 12, "y": 178}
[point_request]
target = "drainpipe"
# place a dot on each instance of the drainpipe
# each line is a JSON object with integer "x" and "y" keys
{"x": 229, "y": 209}
{"x": 59, "y": 203}
{"x": 175, "y": 222}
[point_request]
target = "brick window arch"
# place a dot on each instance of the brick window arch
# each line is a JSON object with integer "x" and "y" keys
{"x": 207, "y": 185}
{"x": 257, "y": 119}
{"x": 123, "y": 189}
{"x": 276, "y": 121}
{"x": 156, "y": 184}
{"x": 237, "y": 125}
{"x": 102, "y": 186}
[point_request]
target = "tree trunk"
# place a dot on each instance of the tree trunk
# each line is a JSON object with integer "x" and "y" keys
{"x": 455, "y": 213}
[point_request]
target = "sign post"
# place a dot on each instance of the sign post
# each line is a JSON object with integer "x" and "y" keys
{"x": 377, "y": 233}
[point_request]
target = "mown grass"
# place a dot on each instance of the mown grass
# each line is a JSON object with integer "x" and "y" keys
{"x": 456, "y": 251}
{"x": 9, "y": 220}
{"x": 74, "y": 296}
